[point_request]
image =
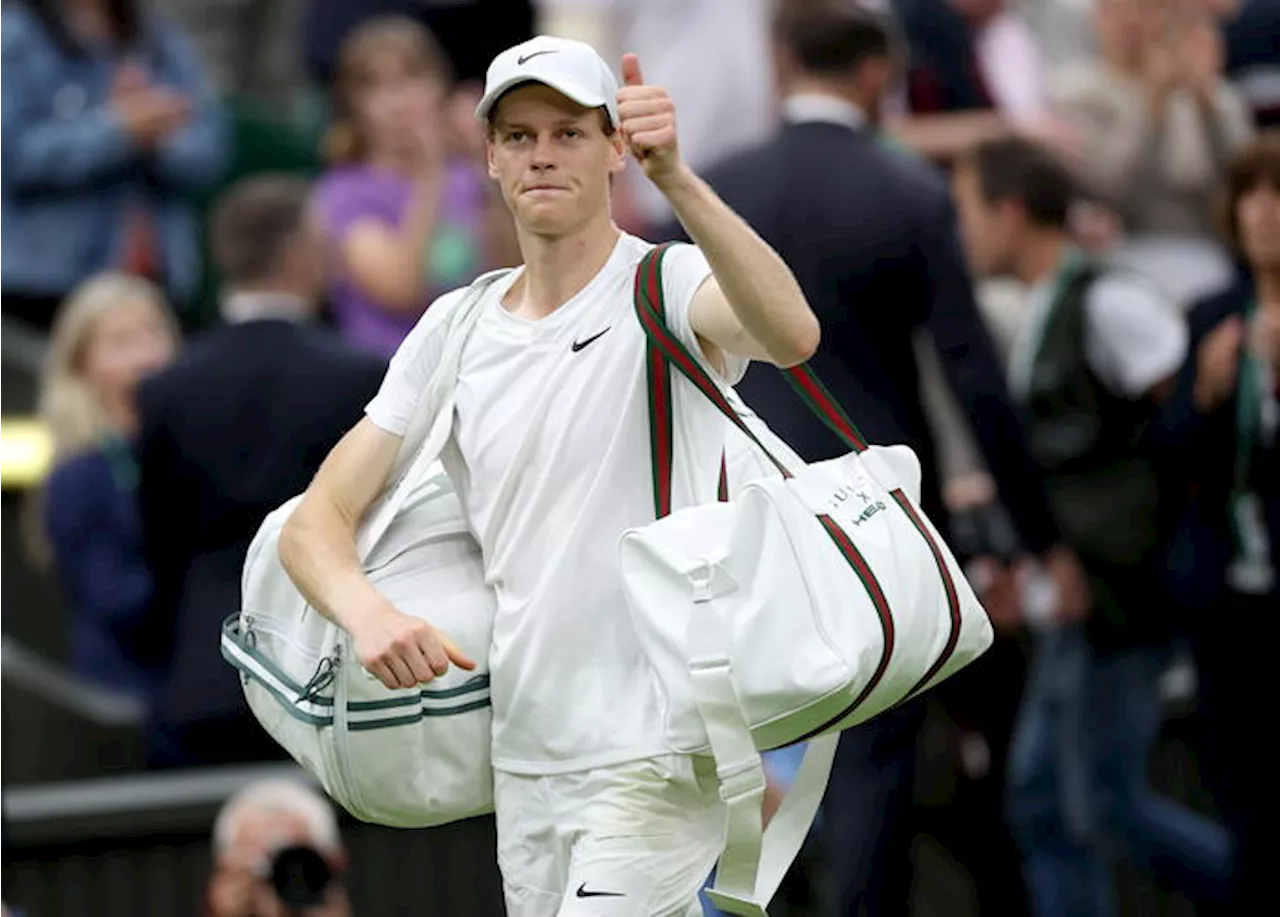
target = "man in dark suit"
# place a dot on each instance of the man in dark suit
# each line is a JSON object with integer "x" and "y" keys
{"x": 237, "y": 426}
{"x": 870, "y": 233}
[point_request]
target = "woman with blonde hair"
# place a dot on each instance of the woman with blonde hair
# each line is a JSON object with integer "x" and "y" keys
{"x": 113, "y": 330}
{"x": 408, "y": 213}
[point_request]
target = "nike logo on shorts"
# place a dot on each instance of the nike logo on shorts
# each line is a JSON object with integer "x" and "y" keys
{"x": 578, "y": 345}
{"x": 583, "y": 893}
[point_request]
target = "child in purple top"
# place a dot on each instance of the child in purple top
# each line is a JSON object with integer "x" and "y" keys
{"x": 351, "y": 194}
{"x": 406, "y": 221}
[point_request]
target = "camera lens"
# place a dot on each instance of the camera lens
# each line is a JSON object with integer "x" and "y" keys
{"x": 300, "y": 877}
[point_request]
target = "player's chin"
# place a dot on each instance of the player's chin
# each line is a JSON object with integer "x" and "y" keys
{"x": 547, "y": 217}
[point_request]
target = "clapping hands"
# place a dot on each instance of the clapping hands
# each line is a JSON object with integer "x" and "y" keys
{"x": 149, "y": 113}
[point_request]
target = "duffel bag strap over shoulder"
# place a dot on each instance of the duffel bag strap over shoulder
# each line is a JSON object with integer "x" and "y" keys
{"x": 432, "y": 422}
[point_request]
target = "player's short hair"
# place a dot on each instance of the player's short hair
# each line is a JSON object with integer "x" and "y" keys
{"x": 1014, "y": 169}
{"x": 831, "y": 37}
{"x": 254, "y": 223}
{"x": 279, "y": 796}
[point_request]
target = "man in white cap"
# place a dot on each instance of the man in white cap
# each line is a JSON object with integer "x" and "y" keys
{"x": 550, "y": 453}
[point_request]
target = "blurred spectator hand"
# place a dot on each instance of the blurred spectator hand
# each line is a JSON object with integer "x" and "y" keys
{"x": 1057, "y": 134}
{"x": 466, "y": 132}
{"x": 969, "y": 491}
{"x": 1096, "y": 227}
{"x": 1217, "y": 359}
{"x": 149, "y": 113}
{"x": 234, "y": 889}
{"x": 997, "y": 588}
{"x": 426, "y": 144}
{"x": 1074, "y": 596}
{"x": 1162, "y": 71}
{"x": 130, "y": 77}
{"x": 1201, "y": 59}
{"x": 429, "y": 149}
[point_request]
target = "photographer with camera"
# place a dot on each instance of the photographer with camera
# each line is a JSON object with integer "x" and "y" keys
{"x": 277, "y": 853}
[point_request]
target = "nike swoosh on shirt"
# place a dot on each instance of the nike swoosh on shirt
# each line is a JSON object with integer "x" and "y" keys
{"x": 578, "y": 345}
{"x": 583, "y": 893}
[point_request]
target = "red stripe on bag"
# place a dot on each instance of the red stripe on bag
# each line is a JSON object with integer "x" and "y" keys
{"x": 672, "y": 349}
{"x": 660, "y": 421}
{"x": 859, "y": 564}
{"x": 660, "y": 438}
{"x": 675, "y": 352}
{"x": 948, "y": 584}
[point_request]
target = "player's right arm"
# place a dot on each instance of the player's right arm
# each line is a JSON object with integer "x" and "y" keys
{"x": 318, "y": 550}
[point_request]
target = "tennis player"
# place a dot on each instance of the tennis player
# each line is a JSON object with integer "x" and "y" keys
{"x": 551, "y": 458}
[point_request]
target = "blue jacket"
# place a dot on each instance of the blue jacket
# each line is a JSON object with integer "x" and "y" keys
{"x": 70, "y": 174}
{"x": 91, "y": 518}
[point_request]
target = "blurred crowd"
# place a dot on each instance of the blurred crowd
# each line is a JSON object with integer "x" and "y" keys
{"x": 1042, "y": 237}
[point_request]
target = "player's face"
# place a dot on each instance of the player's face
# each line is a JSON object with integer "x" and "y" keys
{"x": 985, "y": 226}
{"x": 552, "y": 160}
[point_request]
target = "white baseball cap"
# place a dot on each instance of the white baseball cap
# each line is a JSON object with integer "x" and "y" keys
{"x": 572, "y": 68}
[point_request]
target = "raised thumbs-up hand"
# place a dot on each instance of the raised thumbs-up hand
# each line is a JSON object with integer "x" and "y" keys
{"x": 648, "y": 123}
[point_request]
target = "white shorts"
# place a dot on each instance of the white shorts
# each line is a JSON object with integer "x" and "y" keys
{"x": 636, "y": 840}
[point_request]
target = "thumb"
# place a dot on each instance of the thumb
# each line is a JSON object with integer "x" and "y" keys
{"x": 631, "y": 71}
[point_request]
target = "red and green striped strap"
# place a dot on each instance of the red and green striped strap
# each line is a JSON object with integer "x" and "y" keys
{"x": 660, "y": 423}
{"x": 823, "y": 403}
{"x": 666, "y": 349}
{"x": 661, "y": 435}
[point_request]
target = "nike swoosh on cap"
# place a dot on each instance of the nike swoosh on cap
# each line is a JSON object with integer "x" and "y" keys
{"x": 528, "y": 57}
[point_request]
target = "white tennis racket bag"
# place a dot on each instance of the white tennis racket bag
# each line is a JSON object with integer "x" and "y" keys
{"x": 406, "y": 758}
{"x": 815, "y": 598}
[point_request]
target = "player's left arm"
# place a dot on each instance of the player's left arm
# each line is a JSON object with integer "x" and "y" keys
{"x": 751, "y": 305}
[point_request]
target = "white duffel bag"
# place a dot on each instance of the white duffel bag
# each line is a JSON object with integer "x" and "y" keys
{"x": 406, "y": 758}
{"x": 815, "y": 598}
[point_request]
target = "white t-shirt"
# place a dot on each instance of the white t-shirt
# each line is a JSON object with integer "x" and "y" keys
{"x": 1134, "y": 337}
{"x": 550, "y": 454}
